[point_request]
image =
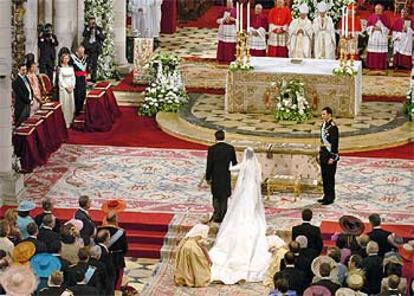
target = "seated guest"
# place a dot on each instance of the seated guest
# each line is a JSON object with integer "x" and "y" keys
{"x": 312, "y": 233}
{"x": 33, "y": 232}
{"x": 192, "y": 263}
{"x": 71, "y": 241}
{"x": 372, "y": 266}
{"x": 46, "y": 233}
{"x": 11, "y": 217}
{"x": 393, "y": 287}
{"x": 23, "y": 95}
{"x": 282, "y": 288}
{"x": 293, "y": 275}
{"x": 379, "y": 235}
{"x": 335, "y": 254}
{"x": 89, "y": 228}
{"x": 81, "y": 288}
{"x": 5, "y": 243}
{"x": 18, "y": 280}
{"x": 55, "y": 285}
{"x": 23, "y": 218}
{"x": 103, "y": 239}
{"x": 393, "y": 269}
{"x": 47, "y": 207}
{"x": 43, "y": 265}
{"x": 326, "y": 281}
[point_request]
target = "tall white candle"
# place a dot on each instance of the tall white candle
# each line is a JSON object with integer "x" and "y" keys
{"x": 237, "y": 16}
{"x": 241, "y": 17}
{"x": 346, "y": 22}
{"x": 343, "y": 21}
{"x": 353, "y": 20}
{"x": 248, "y": 16}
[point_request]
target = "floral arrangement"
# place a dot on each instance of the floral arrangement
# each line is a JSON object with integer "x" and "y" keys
{"x": 166, "y": 92}
{"x": 103, "y": 11}
{"x": 345, "y": 69}
{"x": 334, "y": 12}
{"x": 237, "y": 66}
{"x": 169, "y": 62}
{"x": 291, "y": 101}
{"x": 408, "y": 107}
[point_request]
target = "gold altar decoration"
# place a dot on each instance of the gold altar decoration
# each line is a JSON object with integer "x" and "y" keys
{"x": 347, "y": 51}
{"x": 143, "y": 50}
{"x": 18, "y": 38}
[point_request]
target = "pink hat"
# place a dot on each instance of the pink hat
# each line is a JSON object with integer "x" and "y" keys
{"x": 18, "y": 281}
{"x": 76, "y": 222}
{"x": 317, "y": 290}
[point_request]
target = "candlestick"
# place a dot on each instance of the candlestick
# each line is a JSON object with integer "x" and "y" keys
{"x": 241, "y": 17}
{"x": 343, "y": 21}
{"x": 353, "y": 20}
{"x": 248, "y": 17}
{"x": 237, "y": 16}
{"x": 346, "y": 22}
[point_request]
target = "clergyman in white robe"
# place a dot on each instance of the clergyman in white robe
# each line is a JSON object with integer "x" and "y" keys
{"x": 139, "y": 10}
{"x": 324, "y": 38}
{"x": 155, "y": 18}
{"x": 300, "y": 35}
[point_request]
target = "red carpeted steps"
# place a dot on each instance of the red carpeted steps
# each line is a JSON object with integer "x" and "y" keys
{"x": 145, "y": 231}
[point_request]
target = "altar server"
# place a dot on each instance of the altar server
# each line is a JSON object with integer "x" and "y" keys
{"x": 402, "y": 35}
{"x": 139, "y": 10}
{"x": 258, "y": 30}
{"x": 279, "y": 20}
{"x": 378, "y": 28}
{"x": 300, "y": 35}
{"x": 227, "y": 35}
{"x": 324, "y": 30}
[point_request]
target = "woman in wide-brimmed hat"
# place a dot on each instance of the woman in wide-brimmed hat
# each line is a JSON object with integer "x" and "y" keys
{"x": 18, "y": 281}
{"x": 351, "y": 228}
{"x": 315, "y": 266}
{"x": 23, "y": 252}
{"x": 43, "y": 265}
{"x": 113, "y": 205}
{"x": 23, "y": 219}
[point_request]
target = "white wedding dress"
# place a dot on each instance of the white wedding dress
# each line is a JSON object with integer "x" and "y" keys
{"x": 240, "y": 251}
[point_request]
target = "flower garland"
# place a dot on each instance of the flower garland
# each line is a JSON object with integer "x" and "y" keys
{"x": 334, "y": 12}
{"x": 166, "y": 92}
{"x": 103, "y": 11}
{"x": 291, "y": 101}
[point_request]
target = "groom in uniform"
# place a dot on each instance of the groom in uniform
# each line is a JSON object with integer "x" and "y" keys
{"x": 219, "y": 157}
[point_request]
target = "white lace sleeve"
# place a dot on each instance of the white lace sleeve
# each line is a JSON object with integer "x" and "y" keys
{"x": 234, "y": 168}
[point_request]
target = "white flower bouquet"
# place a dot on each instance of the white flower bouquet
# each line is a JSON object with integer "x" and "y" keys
{"x": 236, "y": 66}
{"x": 345, "y": 70}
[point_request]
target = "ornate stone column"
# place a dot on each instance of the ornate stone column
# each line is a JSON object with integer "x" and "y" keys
{"x": 120, "y": 31}
{"x": 30, "y": 26}
{"x": 65, "y": 22}
{"x": 11, "y": 183}
{"x": 81, "y": 20}
{"x": 48, "y": 11}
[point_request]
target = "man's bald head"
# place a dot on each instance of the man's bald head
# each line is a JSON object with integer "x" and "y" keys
{"x": 258, "y": 9}
{"x": 280, "y": 3}
{"x": 379, "y": 9}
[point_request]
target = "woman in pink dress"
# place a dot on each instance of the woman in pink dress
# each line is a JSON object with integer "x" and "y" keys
{"x": 35, "y": 84}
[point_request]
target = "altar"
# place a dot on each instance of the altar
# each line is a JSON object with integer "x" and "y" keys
{"x": 246, "y": 91}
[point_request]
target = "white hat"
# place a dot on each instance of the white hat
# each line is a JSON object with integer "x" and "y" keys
{"x": 303, "y": 8}
{"x": 322, "y": 7}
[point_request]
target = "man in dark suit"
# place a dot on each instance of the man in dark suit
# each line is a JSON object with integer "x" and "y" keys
{"x": 393, "y": 283}
{"x": 33, "y": 232}
{"x": 379, "y": 235}
{"x": 47, "y": 43}
{"x": 312, "y": 233}
{"x": 46, "y": 233}
{"x": 118, "y": 245}
{"x": 47, "y": 207}
{"x": 55, "y": 285}
{"x": 325, "y": 281}
{"x": 101, "y": 271}
{"x": 23, "y": 95}
{"x": 102, "y": 240}
{"x": 89, "y": 228}
{"x": 219, "y": 158}
{"x": 328, "y": 155}
{"x": 305, "y": 258}
{"x": 372, "y": 265}
{"x": 81, "y": 288}
{"x": 292, "y": 274}
{"x": 93, "y": 42}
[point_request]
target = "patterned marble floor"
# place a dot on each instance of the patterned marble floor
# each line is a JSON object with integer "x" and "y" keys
{"x": 208, "y": 110}
{"x": 138, "y": 272}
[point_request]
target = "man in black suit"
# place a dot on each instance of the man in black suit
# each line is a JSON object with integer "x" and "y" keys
{"x": 312, "y": 233}
{"x": 372, "y": 265}
{"x": 305, "y": 258}
{"x": 46, "y": 233}
{"x": 47, "y": 207}
{"x": 55, "y": 285}
{"x": 93, "y": 42}
{"x": 379, "y": 235}
{"x": 328, "y": 155}
{"x": 81, "y": 288}
{"x": 89, "y": 227}
{"x": 292, "y": 274}
{"x": 219, "y": 158}
{"x": 393, "y": 284}
{"x": 325, "y": 281}
{"x": 101, "y": 271}
{"x": 33, "y": 232}
{"x": 23, "y": 95}
{"x": 102, "y": 240}
{"x": 47, "y": 43}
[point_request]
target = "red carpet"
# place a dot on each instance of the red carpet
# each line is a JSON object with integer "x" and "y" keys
{"x": 145, "y": 231}
{"x": 405, "y": 151}
{"x": 132, "y": 131}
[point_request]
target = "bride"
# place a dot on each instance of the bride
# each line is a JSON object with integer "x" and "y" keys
{"x": 240, "y": 251}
